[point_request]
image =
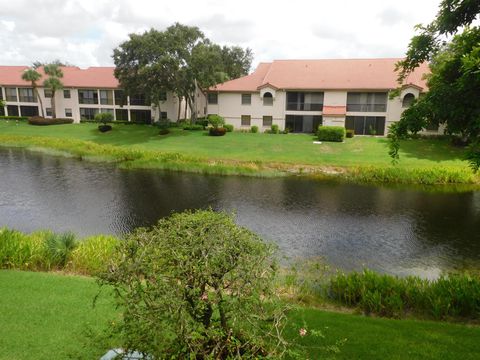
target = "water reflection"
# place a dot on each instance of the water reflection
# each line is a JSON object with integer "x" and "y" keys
{"x": 393, "y": 230}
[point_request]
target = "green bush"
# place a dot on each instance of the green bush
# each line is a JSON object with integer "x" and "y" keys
{"x": 331, "y": 133}
{"x": 228, "y": 127}
{"x": 274, "y": 129}
{"x": 194, "y": 127}
{"x": 349, "y": 134}
{"x": 216, "y": 121}
{"x": 449, "y": 296}
{"x": 39, "y": 120}
{"x": 197, "y": 286}
{"x": 202, "y": 121}
{"x": 254, "y": 129}
{"x": 22, "y": 118}
{"x": 104, "y": 117}
{"x": 217, "y": 131}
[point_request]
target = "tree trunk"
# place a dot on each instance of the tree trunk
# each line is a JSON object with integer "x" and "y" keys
{"x": 54, "y": 112}
{"x": 39, "y": 100}
{"x": 186, "y": 109}
{"x": 179, "y": 108}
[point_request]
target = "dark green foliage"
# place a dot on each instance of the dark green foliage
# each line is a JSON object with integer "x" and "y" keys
{"x": 23, "y": 118}
{"x": 228, "y": 127}
{"x": 274, "y": 129}
{"x": 38, "y": 120}
{"x": 456, "y": 296}
{"x": 104, "y": 128}
{"x": 216, "y": 121}
{"x": 331, "y": 133}
{"x": 349, "y": 134}
{"x": 104, "y": 117}
{"x": 193, "y": 127}
{"x": 217, "y": 131}
{"x": 197, "y": 286}
{"x": 254, "y": 129}
{"x": 473, "y": 155}
{"x": 58, "y": 248}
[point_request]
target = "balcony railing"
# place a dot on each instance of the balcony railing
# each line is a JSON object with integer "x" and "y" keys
{"x": 296, "y": 106}
{"x": 27, "y": 99}
{"x": 367, "y": 107}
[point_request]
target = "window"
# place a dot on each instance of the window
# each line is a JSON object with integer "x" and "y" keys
{"x": 12, "y": 110}
{"x": 246, "y": 99}
{"x": 68, "y": 112}
{"x": 367, "y": 102}
{"x": 48, "y": 111}
{"x": 267, "y": 99}
{"x": 26, "y": 95}
{"x": 28, "y": 110}
{"x": 303, "y": 123}
{"x": 246, "y": 119}
{"x": 48, "y": 93}
{"x": 87, "y": 96}
{"x": 1, "y": 93}
{"x": 408, "y": 100}
{"x": 120, "y": 98}
{"x": 121, "y": 114}
{"x": 138, "y": 100}
{"x": 106, "y": 97}
{"x": 141, "y": 116}
{"x": 366, "y": 125}
{"x": 305, "y": 101}
{"x": 267, "y": 120}
{"x": 88, "y": 113}
{"x": 212, "y": 98}
{"x": 11, "y": 95}
{"x": 66, "y": 94}
{"x": 163, "y": 115}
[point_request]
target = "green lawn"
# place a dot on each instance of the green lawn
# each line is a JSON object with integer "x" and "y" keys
{"x": 50, "y": 316}
{"x": 291, "y": 148}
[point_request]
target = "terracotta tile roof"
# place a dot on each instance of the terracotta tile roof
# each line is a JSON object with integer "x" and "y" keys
{"x": 95, "y": 77}
{"x": 334, "y": 110}
{"x": 333, "y": 74}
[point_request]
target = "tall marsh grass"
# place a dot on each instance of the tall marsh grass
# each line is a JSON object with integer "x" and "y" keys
{"x": 45, "y": 251}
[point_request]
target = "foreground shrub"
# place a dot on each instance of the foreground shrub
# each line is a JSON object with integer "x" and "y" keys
{"x": 228, "y": 127}
{"x": 92, "y": 254}
{"x": 58, "y": 249}
{"x": 104, "y": 128}
{"x": 104, "y": 117}
{"x": 197, "y": 286}
{"x": 194, "y": 127}
{"x": 39, "y": 120}
{"x": 331, "y": 133}
{"x": 274, "y": 129}
{"x": 216, "y": 121}
{"x": 449, "y": 296}
{"x": 349, "y": 134}
{"x": 254, "y": 129}
{"x": 217, "y": 131}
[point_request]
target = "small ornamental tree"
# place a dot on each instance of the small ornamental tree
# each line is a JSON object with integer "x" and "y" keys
{"x": 104, "y": 118}
{"x": 216, "y": 121}
{"x": 197, "y": 286}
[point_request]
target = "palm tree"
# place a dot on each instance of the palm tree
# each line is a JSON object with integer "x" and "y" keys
{"x": 53, "y": 82}
{"x": 33, "y": 76}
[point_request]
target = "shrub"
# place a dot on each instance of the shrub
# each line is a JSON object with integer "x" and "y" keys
{"x": 197, "y": 286}
{"x": 217, "y": 131}
{"x": 228, "y": 127}
{"x": 274, "y": 129}
{"x": 331, "y": 133}
{"x": 39, "y": 120}
{"x": 195, "y": 127}
{"x": 92, "y": 254}
{"x": 22, "y": 118}
{"x": 216, "y": 121}
{"x": 254, "y": 129}
{"x": 349, "y": 134}
{"x": 58, "y": 249}
{"x": 164, "y": 132}
{"x": 104, "y": 117}
{"x": 202, "y": 121}
{"x": 104, "y": 128}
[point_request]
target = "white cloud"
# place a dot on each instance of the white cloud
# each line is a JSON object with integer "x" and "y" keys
{"x": 84, "y": 32}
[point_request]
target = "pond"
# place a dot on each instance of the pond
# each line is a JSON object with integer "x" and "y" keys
{"x": 398, "y": 231}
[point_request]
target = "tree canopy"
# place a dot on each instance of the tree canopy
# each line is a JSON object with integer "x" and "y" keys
{"x": 175, "y": 60}
{"x": 32, "y": 75}
{"x": 53, "y": 82}
{"x": 453, "y": 93}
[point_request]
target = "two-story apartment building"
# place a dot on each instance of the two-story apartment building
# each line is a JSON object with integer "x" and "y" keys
{"x": 302, "y": 94}
{"x": 86, "y": 92}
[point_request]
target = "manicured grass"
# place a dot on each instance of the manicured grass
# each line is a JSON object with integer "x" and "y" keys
{"x": 426, "y": 161}
{"x": 50, "y": 316}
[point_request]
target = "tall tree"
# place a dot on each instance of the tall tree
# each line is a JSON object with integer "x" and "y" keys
{"x": 177, "y": 60}
{"x": 454, "y": 81}
{"x": 33, "y": 76}
{"x": 53, "y": 82}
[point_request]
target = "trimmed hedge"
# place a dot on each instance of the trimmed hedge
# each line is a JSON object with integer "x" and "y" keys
{"x": 217, "y": 131}
{"x": 23, "y": 118}
{"x": 254, "y": 129}
{"x": 194, "y": 127}
{"x": 350, "y": 134}
{"x": 331, "y": 133}
{"x": 228, "y": 127}
{"x": 38, "y": 120}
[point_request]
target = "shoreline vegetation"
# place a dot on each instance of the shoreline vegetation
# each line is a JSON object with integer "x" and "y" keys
{"x": 359, "y": 160}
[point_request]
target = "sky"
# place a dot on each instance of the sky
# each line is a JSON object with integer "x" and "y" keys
{"x": 85, "y": 32}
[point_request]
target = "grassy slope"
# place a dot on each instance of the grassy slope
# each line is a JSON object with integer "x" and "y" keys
{"x": 292, "y": 148}
{"x": 44, "y": 316}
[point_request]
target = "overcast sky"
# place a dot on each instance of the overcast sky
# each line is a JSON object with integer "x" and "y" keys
{"x": 84, "y": 32}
